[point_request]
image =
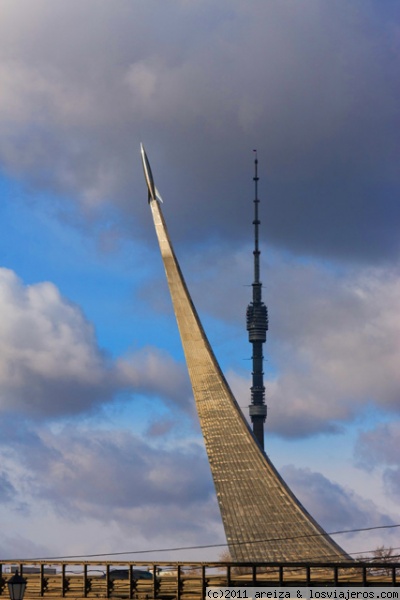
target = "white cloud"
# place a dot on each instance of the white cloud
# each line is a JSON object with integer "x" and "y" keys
{"x": 49, "y": 359}
{"x": 333, "y": 345}
{"x": 340, "y": 336}
{"x": 51, "y": 364}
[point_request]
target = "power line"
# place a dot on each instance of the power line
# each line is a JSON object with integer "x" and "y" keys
{"x": 211, "y": 545}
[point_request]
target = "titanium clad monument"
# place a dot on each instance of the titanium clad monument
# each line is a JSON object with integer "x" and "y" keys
{"x": 263, "y": 520}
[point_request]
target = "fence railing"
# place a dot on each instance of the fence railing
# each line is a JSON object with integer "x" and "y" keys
{"x": 184, "y": 580}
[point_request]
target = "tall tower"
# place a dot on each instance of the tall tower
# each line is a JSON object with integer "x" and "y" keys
{"x": 257, "y": 326}
{"x": 263, "y": 519}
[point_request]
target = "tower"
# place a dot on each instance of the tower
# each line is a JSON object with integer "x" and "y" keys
{"x": 257, "y": 326}
{"x": 263, "y": 519}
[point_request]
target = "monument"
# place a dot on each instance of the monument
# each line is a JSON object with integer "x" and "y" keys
{"x": 263, "y": 519}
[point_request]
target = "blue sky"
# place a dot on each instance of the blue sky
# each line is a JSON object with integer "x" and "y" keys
{"x": 100, "y": 447}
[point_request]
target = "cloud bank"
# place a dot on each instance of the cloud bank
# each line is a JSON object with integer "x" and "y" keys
{"x": 314, "y": 86}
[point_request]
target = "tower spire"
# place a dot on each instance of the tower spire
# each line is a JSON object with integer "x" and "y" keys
{"x": 257, "y": 326}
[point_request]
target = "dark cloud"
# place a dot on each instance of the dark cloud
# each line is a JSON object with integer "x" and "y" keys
{"x": 314, "y": 86}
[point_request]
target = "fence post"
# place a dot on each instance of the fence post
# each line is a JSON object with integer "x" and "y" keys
{"x": 42, "y": 580}
{"x": 178, "y": 591}
{"x": 85, "y": 581}
{"x": 203, "y": 581}
{"x": 254, "y": 574}
{"x": 336, "y": 575}
{"x": 63, "y": 581}
{"x": 155, "y": 581}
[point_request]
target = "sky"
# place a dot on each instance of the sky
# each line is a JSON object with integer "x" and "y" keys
{"x": 100, "y": 445}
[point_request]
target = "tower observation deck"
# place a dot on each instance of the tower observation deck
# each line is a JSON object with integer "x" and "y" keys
{"x": 257, "y": 326}
{"x": 263, "y": 519}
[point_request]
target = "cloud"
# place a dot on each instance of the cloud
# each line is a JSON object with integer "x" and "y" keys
{"x": 18, "y": 546}
{"x": 7, "y": 490}
{"x": 160, "y": 427}
{"x": 332, "y": 348}
{"x": 378, "y": 448}
{"x": 314, "y": 86}
{"x": 335, "y": 507}
{"x": 155, "y": 372}
{"x": 338, "y": 507}
{"x": 116, "y": 477}
{"x": 50, "y": 361}
{"x": 340, "y": 336}
{"x": 104, "y": 472}
{"x": 51, "y": 364}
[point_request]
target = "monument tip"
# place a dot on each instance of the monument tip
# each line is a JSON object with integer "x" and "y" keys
{"x": 153, "y": 193}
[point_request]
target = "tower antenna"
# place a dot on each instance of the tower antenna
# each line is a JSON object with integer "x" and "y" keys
{"x": 257, "y": 326}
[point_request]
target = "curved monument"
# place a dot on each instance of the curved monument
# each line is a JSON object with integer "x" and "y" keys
{"x": 263, "y": 520}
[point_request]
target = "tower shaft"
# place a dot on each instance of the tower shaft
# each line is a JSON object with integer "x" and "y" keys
{"x": 257, "y": 326}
